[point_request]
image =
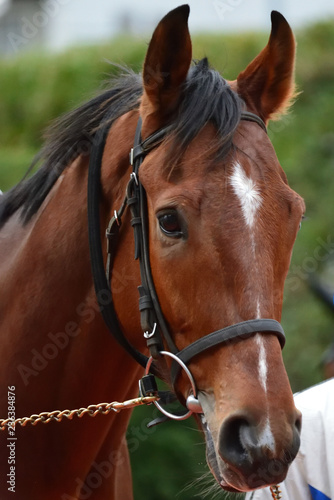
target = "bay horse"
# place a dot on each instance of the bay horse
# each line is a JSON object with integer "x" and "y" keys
{"x": 215, "y": 225}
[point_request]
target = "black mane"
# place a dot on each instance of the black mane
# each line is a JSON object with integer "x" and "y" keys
{"x": 206, "y": 98}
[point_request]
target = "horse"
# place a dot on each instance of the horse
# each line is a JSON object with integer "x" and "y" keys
{"x": 212, "y": 238}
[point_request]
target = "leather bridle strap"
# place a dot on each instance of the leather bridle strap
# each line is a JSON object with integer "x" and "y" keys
{"x": 231, "y": 333}
{"x": 251, "y": 117}
{"x": 152, "y": 319}
{"x": 102, "y": 287}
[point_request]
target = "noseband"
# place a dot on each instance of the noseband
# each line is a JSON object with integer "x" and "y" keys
{"x": 153, "y": 322}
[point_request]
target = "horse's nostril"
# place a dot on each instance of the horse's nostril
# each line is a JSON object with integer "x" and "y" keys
{"x": 232, "y": 440}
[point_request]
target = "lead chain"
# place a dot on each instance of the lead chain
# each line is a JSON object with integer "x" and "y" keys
{"x": 91, "y": 410}
{"x": 276, "y": 492}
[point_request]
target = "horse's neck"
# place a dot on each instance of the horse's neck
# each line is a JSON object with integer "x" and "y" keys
{"x": 55, "y": 348}
{"x": 50, "y": 318}
{"x": 12, "y": 238}
{"x": 47, "y": 260}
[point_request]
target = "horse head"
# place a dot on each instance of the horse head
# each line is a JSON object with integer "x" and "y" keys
{"x": 222, "y": 224}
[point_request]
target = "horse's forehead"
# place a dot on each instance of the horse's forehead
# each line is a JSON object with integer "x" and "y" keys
{"x": 238, "y": 190}
{"x": 249, "y": 169}
{"x": 197, "y": 179}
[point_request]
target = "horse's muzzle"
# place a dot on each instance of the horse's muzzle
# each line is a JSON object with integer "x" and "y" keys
{"x": 245, "y": 455}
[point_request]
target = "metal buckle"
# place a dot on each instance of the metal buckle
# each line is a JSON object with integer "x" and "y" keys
{"x": 134, "y": 177}
{"x": 193, "y": 405}
{"x": 118, "y": 222}
{"x": 148, "y": 334}
{"x": 110, "y": 232}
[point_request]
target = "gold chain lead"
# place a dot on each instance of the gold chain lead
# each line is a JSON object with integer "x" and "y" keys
{"x": 91, "y": 410}
{"x": 276, "y": 492}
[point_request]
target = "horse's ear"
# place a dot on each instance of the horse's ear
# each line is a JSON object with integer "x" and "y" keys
{"x": 267, "y": 84}
{"x": 166, "y": 66}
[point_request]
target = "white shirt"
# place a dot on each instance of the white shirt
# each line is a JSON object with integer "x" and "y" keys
{"x": 311, "y": 474}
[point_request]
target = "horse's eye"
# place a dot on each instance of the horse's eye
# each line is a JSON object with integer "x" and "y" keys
{"x": 170, "y": 224}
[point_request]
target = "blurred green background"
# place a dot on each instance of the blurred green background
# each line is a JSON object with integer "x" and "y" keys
{"x": 35, "y": 88}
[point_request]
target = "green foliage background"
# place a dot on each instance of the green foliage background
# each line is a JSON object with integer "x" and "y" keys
{"x": 36, "y": 88}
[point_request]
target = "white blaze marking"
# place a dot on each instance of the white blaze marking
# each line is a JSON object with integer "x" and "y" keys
{"x": 266, "y": 438}
{"x": 263, "y": 367}
{"x": 247, "y": 193}
{"x": 250, "y": 200}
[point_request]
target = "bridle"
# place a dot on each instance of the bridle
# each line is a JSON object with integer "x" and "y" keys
{"x": 153, "y": 322}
